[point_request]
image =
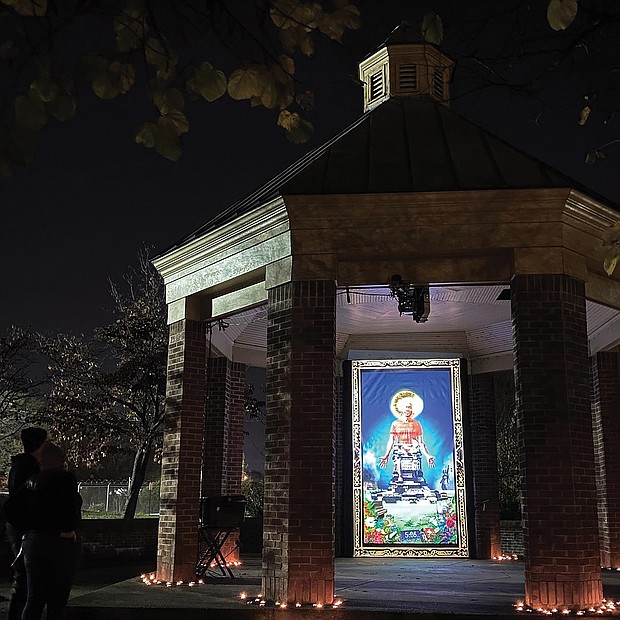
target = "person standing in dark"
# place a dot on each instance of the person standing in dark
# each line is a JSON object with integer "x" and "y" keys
{"x": 50, "y": 545}
{"x": 23, "y": 466}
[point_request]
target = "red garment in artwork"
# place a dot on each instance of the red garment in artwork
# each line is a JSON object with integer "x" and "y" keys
{"x": 406, "y": 432}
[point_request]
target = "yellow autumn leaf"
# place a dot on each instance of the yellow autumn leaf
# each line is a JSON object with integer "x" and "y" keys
{"x": 584, "y": 115}
{"x": 125, "y": 39}
{"x": 281, "y": 75}
{"x": 286, "y": 94}
{"x": 611, "y": 236}
{"x": 592, "y": 157}
{"x": 161, "y": 56}
{"x": 105, "y": 86}
{"x": 163, "y": 137}
{"x": 288, "y": 120}
{"x": 290, "y": 13}
{"x": 130, "y": 30}
{"x": 28, "y": 8}
{"x": 611, "y": 241}
{"x": 103, "y": 82}
{"x": 332, "y": 27}
{"x": 281, "y": 11}
{"x": 146, "y": 135}
{"x": 123, "y": 74}
{"x": 244, "y": 83}
{"x": 610, "y": 263}
{"x": 349, "y": 16}
{"x": 307, "y": 13}
{"x": 134, "y": 8}
{"x": 561, "y": 13}
{"x": 155, "y": 53}
{"x": 334, "y": 24}
{"x": 192, "y": 89}
{"x": 176, "y": 121}
{"x": 45, "y": 89}
{"x": 269, "y": 96}
{"x": 168, "y": 99}
{"x": 296, "y": 37}
{"x": 63, "y": 107}
{"x": 30, "y": 112}
{"x": 307, "y": 46}
{"x": 176, "y": 99}
{"x": 432, "y": 28}
{"x": 210, "y": 83}
{"x": 279, "y": 79}
{"x": 167, "y": 142}
{"x": 301, "y": 133}
{"x": 287, "y": 65}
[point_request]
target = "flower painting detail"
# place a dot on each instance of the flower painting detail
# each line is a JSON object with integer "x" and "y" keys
{"x": 434, "y": 529}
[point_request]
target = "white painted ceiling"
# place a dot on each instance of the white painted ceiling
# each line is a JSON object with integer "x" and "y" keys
{"x": 463, "y": 320}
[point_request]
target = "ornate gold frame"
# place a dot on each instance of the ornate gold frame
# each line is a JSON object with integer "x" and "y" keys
{"x": 361, "y": 550}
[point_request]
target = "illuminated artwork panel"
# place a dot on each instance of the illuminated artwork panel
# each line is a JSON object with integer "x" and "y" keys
{"x": 408, "y": 461}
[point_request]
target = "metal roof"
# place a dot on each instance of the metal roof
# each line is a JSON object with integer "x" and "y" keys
{"x": 416, "y": 144}
{"x": 407, "y": 144}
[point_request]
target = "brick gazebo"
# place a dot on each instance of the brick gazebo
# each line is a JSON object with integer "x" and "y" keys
{"x": 511, "y": 251}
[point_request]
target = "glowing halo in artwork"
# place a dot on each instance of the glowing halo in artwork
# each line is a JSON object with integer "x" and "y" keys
{"x": 399, "y": 400}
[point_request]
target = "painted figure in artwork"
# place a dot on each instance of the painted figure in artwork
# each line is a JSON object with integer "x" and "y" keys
{"x": 406, "y": 441}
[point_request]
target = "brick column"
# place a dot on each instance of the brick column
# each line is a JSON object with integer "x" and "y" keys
{"x": 484, "y": 465}
{"x": 236, "y": 437}
{"x": 182, "y": 452}
{"x": 555, "y": 442}
{"x": 214, "y": 460}
{"x": 223, "y": 449}
{"x": 298, "y": 547}
{"x": 606, "y": 422}
{"x": 235, "y": 416}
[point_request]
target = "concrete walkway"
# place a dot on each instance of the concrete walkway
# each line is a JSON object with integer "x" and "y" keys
{"x": 371, "y": 589}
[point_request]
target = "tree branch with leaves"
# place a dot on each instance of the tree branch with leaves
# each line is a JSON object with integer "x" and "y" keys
{"x": 159, "y": 46}
{"x": 556, "y": 53}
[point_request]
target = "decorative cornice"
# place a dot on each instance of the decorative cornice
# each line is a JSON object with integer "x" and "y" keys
{"x": 260, "y": 224}
{"x": 589, "y": 211}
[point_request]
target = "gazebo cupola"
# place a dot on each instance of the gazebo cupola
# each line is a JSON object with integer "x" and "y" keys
{"x": 405, "y": 66}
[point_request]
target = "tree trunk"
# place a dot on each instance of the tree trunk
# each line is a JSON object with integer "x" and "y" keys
{"x": 138, "y": 474}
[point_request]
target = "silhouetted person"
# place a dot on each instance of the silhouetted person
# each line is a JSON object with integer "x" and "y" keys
{"x": 23, "y": 466}
{"x": 50, "y": 546}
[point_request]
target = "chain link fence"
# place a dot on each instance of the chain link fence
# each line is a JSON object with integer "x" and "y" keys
{"x": 109, "y": 497}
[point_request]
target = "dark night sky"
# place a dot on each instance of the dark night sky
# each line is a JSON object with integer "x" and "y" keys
{"x": 79, "y": 214}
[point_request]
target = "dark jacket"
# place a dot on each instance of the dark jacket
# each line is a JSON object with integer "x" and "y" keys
{"x": 23, "y": 466}
{"x": 48, "y": 502}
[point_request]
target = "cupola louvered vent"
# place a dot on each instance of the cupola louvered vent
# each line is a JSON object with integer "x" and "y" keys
{"x": 438, "y": 87}
{"x": 408, "y": 78}
{"x": 377, "y": 85}
{"x": 405, "y": 66}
